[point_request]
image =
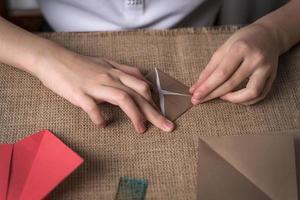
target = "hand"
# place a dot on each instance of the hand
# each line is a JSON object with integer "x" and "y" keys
{"x": 86, "y": 82}
{"x": 250, "y": 53}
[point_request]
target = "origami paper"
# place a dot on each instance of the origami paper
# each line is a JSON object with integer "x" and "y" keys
{"x": 296, "y": 134}
{"x": 5, "y": 160}
{"x": 170, "y": 95}
{"x": 246, "y": 167}
{"x": 131, "y": 188}
{"x": 34, "y": 166}
{"x": 297, "y": 152}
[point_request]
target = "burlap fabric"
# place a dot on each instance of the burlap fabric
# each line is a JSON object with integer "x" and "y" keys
{"x": 167, "y": 161}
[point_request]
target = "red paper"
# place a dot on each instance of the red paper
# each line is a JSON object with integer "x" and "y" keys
{"x": 38, "y": 164}
{"x": 5, "y": 160}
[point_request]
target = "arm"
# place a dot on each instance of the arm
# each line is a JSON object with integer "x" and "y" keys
{"x": 284, "y": 23}
{"x": 83, "y": 81}
{"x": 250, "y": 53}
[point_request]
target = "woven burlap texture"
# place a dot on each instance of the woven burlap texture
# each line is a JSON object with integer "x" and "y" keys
{"x": 167, "y": 160}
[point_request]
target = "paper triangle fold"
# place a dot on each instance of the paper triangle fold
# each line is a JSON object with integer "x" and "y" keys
{"x": 5, "y": 164}
{"x": 38, "y": 164}
{"x": 217, "y": 179}
{"x": 268, "y": 162}
{"x": 171, "y": 96}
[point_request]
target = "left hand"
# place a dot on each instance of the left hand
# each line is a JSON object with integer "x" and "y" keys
{"x": 250, "y": 53}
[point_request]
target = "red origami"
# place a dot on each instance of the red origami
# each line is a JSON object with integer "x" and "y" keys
{"x": 34, "y": 166}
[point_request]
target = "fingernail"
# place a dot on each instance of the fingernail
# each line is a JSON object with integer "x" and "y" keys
{"x": 195, "y": 101}
{"x": 141, "y": 128}
{"x": 198, "y": 95}
{"x": 223, "y": 97}
{"x": 102, "y": 124}
{"x": 191, "y": 89}
{"x": 168, "y": 126}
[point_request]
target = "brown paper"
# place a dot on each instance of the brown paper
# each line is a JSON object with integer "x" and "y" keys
{"x": 247, "y": 167}
{"x": 170, "y": 95}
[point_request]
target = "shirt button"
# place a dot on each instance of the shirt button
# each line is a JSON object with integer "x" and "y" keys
{"x": 134, "y": 2}
{"x": 134, "y": 6}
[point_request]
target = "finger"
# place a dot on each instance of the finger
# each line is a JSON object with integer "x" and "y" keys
{"x": 100, "y": 61}
{"x": 92, "y": 109}
{"x": 233, "y": 82}
{"x": 148, "y": 110}
{"x": 139, "y": 86}
{"x": 120, "y": 98}
{"x": 153, "y": 116}
{"x": 210, "y": 67}
{"x": 225, "y": 69}
{"x": 127, "y": 69}
{"x": 265, "y": 91}
{"x": 253, "y": 89}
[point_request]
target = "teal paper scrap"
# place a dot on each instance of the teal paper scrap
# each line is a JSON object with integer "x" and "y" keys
{"x": 131, "y": 189}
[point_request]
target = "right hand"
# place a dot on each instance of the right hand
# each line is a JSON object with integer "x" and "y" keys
{"x": 86, "y": 82}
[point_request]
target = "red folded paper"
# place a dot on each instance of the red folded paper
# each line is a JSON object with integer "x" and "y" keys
{"x": 34, "y": 166}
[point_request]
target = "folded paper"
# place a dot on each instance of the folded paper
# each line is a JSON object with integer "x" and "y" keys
{"x": 170, "y": 95}
{"x": 5, "y": 160}
{"x": 34, "y": 166}
{"x": 246, "y": 167}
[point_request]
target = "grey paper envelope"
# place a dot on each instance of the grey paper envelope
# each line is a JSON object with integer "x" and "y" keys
{"x": 246, "y": 168}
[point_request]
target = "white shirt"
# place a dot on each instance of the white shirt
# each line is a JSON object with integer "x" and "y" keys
{"x": 109, "y": 15}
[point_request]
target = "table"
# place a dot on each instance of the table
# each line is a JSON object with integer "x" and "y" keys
{"x": 167, "y": 161}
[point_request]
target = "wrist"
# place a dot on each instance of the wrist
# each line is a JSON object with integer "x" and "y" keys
{"x": 274, "y": 34}
{"x": 42, "y": 55}
{"x": 36, "y": 54}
